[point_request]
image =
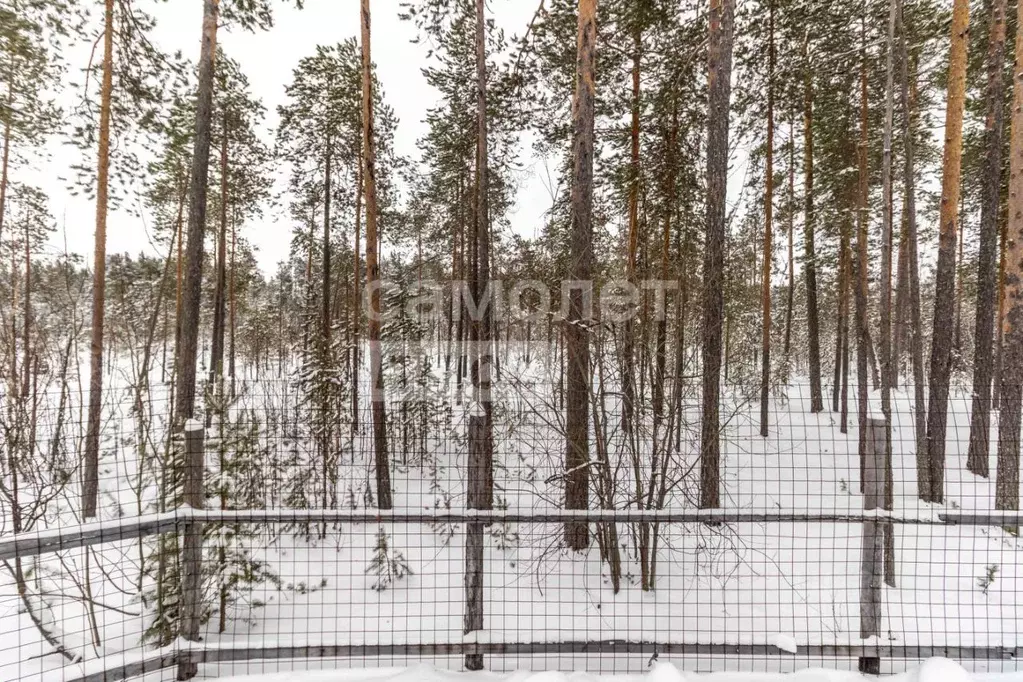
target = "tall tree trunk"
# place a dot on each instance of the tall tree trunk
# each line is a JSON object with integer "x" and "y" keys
{"x": 901, "y": 302}
{"x": 184, "y": 402}
{"x": 885, "y": 343}
{"x": 5, "y": 162}
{"x": 481, "y": 421}
{"x": 628, "y": 365}
{"x": 845, "y": 285}
{"x": 916, "y": 322}
{"x": 357, "y": 300}
{"x": 577, "y": 325}
{"x": 662, "y": 322}
{"x": 232, "y": 315}
{"x": 185, "y": 388}
{"x": 90, "y": 479}
{"x": 180, "y": 269}
{"x": 376, "y": 374}
{"x": 809, "y": 249}
{"x": 326, "y": 318}
{"x": 486, "y": 337}
{"x": 220, "y": 286}
{"x": 944, "y": 282}
{"x": 791, "y": 294}
{"x": 765, "y": 370}
{"x": 26, "y": 343}
{"x": 836, "y": 388}
{"x": 860, "y": 271}
{"x": 1000, "y": 333}
{"x": 1007, "y": 482}
{"x": 719, "y": 68}
{"x": 957, "y": 340}
{"x": 983, "y": 349}
{"x": 628, "y": 352}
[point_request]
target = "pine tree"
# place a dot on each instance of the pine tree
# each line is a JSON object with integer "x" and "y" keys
{"x": 376, "y": 375}
{"x": 983, "y": 353}
{"x": 944, "y": 297}
{"x": 578, "y": 320}
{"x": 1007, "y": 482}
{"x": 722, "y": 19}
{"x": 387, "y": 565}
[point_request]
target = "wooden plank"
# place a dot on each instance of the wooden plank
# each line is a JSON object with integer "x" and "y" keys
{"x": 86, "y": 534}
{"x": 136, "y": 668}
{"x": 71, "y": 537}
{"x": 1009, "y": 518}
{"x": 213, "y": 654}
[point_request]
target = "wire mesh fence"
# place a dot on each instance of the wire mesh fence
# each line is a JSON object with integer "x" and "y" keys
{"x": 299, "y": 568}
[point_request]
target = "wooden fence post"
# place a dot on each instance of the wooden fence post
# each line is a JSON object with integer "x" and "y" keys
{"x": 477, "y": 498}
{"x": 872, "y": 568}
{"x": 191, "y": 551}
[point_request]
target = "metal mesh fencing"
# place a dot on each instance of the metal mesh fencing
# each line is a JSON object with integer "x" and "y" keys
{"x": 298, "y": 568}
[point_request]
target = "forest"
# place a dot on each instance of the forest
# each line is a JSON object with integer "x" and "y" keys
{"x": 771, "y": 224}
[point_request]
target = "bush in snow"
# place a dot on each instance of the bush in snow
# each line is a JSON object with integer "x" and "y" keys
{"x": 988, "y": 579}
{"x": 387, "y": 565}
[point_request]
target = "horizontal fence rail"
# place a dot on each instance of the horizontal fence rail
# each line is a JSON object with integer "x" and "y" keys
{"x": 188, "y": 652}
{"x": 133, "y": 527}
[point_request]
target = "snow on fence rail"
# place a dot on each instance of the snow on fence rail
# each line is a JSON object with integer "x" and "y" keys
{"x": 139, "y": 663}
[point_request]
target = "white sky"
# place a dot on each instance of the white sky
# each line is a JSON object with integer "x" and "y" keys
{"x": 268, "y": 59}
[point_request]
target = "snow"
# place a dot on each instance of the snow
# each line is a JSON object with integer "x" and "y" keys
{"x": 785, "y": 642}
{"x": 665, "y": 672}
{"x": 932, "y": 670}
{"x": 941, "y": 670}
{"x": 788, "y": 585}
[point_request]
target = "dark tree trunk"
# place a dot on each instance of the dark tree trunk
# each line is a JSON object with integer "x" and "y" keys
{"x": 357, "y": 300}
{"x": 885, "y": 345}
{"x": 376, "y": 374}
{"x": 481, "y": 422}
{"x": 791, "y": 294}
{"x": 577, "y": 325}
{"x": 184, "y": 402}
{"x": 220, "y": 288}
{"x": 1007, "y": 482}
{"x": 899, "y": 334}
{"x": 722, "y": 17}
{"x": 809, "y": 249}
{"x": 628, "y": 353}
{"x": 860, "y": 270}
{"x": 944, "y": 282}
{"x": 90, "y": 477}
{"x": 325, "y": 295}
{"x": 5, "y": 161}
{"x": 765, "y": 296}
{"x": 913, "y": 258}
{"x": 1000, "y": 332}
{"x": 983, "y": 350}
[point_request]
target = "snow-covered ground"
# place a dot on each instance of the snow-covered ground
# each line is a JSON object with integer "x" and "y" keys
{"x": 781, "y": 584}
